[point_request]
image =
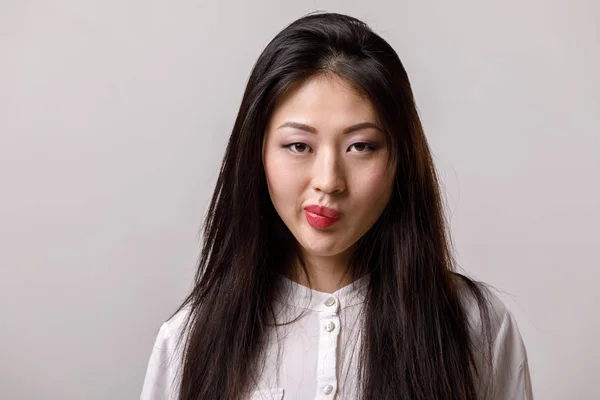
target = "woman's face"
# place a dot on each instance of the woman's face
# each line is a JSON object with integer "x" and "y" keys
{"x": 310, "y": 160}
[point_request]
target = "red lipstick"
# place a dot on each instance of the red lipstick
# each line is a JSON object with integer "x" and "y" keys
{"x": 320, "y": 216}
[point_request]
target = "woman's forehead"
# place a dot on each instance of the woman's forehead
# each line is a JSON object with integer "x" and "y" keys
{"x": 329, "y": 103}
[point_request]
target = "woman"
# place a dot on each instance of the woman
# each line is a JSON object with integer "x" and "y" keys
{"x": 326, "y": 269}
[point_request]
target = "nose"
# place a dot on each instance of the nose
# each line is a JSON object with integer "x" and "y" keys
{"x": 328, "y": 173}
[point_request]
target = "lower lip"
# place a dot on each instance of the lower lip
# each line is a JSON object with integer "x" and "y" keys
{"x": 319, "y": 221}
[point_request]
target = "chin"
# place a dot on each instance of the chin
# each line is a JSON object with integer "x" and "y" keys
{"x": 323, "y": 248}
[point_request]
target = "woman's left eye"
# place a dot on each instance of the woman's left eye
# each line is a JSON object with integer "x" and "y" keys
{"x": 363, "y": 147}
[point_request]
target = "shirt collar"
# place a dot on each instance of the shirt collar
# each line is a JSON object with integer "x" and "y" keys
{"x": 301, "y": 296}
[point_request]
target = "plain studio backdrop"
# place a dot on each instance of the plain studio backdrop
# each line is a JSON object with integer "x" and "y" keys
{"x": 114, "y": 116}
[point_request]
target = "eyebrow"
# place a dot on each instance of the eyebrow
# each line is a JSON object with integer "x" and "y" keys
{"x": 353, "y": 128}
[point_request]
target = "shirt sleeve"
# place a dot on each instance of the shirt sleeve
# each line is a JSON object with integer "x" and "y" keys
{"x": 161, "y": 374}
{"x": 510, "y": 366}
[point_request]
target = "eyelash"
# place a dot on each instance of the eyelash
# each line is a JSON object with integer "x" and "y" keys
{"x": 370, "y": 147}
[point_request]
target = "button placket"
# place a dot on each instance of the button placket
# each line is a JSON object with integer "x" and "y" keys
{"x": 329, "y": 321}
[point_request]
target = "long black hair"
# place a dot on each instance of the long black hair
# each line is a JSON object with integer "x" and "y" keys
{"x": 416, "y": 335}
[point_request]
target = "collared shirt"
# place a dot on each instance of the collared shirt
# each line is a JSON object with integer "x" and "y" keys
{"x": 316, "y": 356}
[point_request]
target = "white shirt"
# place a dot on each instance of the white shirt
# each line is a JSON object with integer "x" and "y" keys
{"x": 319, "y": 352}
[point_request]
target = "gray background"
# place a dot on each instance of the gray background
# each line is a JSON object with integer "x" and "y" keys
{"x": 115, "y": 115}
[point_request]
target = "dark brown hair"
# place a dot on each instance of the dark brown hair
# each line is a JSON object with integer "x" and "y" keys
{"x": 416, "y": 334}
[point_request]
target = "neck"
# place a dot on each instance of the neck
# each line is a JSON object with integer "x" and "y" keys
{"x": 327, "y": 273}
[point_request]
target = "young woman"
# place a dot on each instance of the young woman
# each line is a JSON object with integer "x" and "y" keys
{"x": 326, "y": 270}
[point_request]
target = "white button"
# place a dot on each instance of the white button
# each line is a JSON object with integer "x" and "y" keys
{"x": 329, "y": 326}
{"x": 330, "y": 301}
{"x": 327, "y": 389}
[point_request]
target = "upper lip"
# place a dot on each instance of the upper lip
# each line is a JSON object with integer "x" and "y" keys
{"x": 323, "y": 211}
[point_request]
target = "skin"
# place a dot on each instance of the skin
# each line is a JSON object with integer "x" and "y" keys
{"x": 329, "y": 167}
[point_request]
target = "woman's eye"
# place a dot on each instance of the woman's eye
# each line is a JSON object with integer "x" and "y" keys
{"x": 301, "y": 148}
{"x": 297, "y": 147}
{"x": 363, "y": 147}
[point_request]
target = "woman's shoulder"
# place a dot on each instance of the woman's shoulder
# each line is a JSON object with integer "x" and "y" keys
{"x": 164, "y": 366}
{"x": 504, "y": 367}
{"x": 174, "y": 326}
{"x": 481, "y": 304}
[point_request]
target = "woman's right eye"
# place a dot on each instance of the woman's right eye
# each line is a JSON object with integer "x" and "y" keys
{"x": 297, "y": 148}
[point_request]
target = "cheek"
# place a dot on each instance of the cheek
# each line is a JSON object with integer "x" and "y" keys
{"x": 374, "y": 191}
{"x": 284, "y": 185}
